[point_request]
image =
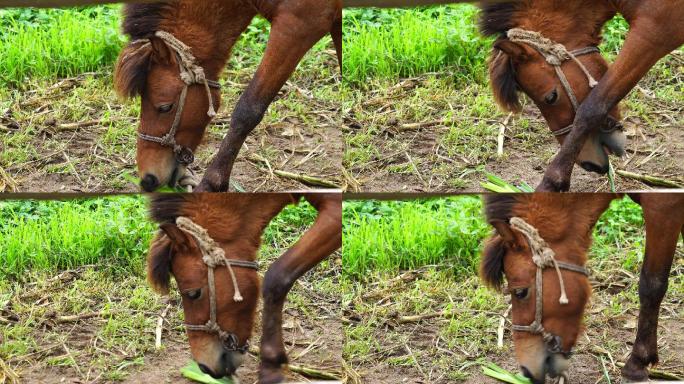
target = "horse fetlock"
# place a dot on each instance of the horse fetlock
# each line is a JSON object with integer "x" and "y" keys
{"x": 553, "y": 184}
{"x": 270, "y": 375}
{"x": 213, "y": 182}
{"x": 273, "y": 356}
{"x": 270, "y": 367}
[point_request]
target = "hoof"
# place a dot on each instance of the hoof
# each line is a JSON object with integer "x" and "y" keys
{"x": 631, "y": 373}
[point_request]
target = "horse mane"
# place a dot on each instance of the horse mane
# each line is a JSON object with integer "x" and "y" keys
{"x": 498, "y": 207}
{"x": 497, "y": 17}
{"x": 140, "y": 22}
{"x": 165, "y": 208}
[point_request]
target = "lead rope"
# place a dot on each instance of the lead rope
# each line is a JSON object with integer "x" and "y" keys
{"x": 542, "y": 255}
{"x": 213, "y": 256}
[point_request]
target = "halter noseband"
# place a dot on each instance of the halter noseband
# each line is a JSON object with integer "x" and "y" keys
{"x": 543, "y": 257}
{"x": 214, "y": 256}
{"x": 556, "y": 54}
{"x": 190, "y": 73}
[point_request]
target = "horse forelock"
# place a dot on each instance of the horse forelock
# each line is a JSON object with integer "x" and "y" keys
{"x": 140, "y": 22}
{"x": 491, "y": 263}
{"x": 159, "y": 263}
{"x": 503, "y": 82}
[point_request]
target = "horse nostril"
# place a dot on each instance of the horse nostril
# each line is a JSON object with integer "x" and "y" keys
{"x": 526, "y": 372}
{"x": 209, "y": 372}
{"x": 149, "y": 183}
{"x": 205, "y": 369}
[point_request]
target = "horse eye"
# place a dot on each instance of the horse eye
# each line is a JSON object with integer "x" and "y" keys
{"x": 165, "y": 108}
{"x": 194, "y": 294}
{"x": 521, "y": 293}
{"x": 552, "y": 97}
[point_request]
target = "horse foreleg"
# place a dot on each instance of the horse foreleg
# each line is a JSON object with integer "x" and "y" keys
{"x": 291, "y": 37}
{"x": 647, "y": 42}
{"x": 322, "y": 239}
{"x": 662, "y": 232}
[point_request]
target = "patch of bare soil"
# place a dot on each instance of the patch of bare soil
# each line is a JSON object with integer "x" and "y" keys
{"x": 119, "y": 346}
{"x": 76, "y": 136}
{"x": 412, "y": 152}
{"x": 417, "y": 350}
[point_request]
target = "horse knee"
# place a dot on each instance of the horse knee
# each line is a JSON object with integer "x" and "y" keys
{"x": 276, "y": 285}
{"x": 246, "y": 116}
{"x": 652, "y": 288}
{"x": 590, "y": 114}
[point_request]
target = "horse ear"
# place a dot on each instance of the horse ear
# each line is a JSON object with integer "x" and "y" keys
{"x": 176, "y": 235}
{"x": 504, "y": 230}
{"x": 503, "y": 83}
{"x": 161, "y": 52}
{"x": 514, "y": 50}
{"x": 131, "y": 69}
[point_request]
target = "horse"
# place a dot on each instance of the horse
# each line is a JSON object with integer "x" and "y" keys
{"x": 177, "y": 51}
{"x": 540, "y": 246}
{"x": 208, "y": 243}
{"x": 548, "y": 49}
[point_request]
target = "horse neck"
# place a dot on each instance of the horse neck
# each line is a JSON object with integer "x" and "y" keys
{"x": 566, "y": 221}
{"x": 236, "y": 221}
{"x": 210, "y": 28}
{"x": 575, "y": 24}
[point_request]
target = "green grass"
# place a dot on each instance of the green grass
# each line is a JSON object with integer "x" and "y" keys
{"x": 56, "y": 235}
{"x": 404, "y": 43}
{"x": 402, "y": 235}
{"x": 394, "y": 236}
{"x": 445, "y": 315}
{"x": 394, "y": 43}
{"x": 57, "y": 43}
{"x": 112, "y": 231}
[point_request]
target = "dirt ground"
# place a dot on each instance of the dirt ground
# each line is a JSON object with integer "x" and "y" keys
{"x": 75, "y": 135}
{"x": 429, "y": 134}
{"x": 119, "y": 347}
{"x": 427, "y": 347}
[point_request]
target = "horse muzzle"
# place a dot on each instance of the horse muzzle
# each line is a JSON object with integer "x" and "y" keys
{"x": 609, "y": 140}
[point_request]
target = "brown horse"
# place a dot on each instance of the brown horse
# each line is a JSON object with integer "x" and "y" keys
{"x": 176, "y": 54}
{"x": 548, "y": 50}
{"x": 541, "y": 246}
{"x": 209, "y": 242}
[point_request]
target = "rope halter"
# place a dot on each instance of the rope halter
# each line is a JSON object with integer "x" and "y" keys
{"x": 543, "y": 257}
{"x": 556, "y": 54}
{"x": 214, "y": 256}
{"x": 191, "y": 73}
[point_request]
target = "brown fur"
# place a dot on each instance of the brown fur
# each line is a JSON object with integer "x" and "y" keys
{"x": 576, "y": 23}
{"x": 236, "y": 222}
{"x": 210, "y": 29}
{"x": 231, "y": 219}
